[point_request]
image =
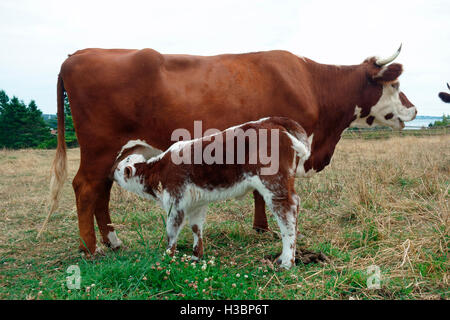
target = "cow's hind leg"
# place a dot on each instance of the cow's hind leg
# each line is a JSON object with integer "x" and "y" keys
{"x": 260, "y": 219}
{"x": 196, "y": 221}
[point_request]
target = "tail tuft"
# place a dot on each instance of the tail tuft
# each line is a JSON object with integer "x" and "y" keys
{"x": 59, "y": 167}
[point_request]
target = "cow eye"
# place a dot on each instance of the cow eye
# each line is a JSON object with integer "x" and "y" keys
{"x": 396, "y": 85}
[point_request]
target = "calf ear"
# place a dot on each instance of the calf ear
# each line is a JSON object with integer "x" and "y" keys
{"x": 128, "y": 172}
{"x": 389, "y": 73}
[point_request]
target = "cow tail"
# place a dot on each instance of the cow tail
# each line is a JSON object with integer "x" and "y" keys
{"x": 59, "y": 167}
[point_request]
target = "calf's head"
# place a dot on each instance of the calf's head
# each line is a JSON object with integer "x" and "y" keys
{"x": 381, "y": 102}
{"x": 125, "y": 174}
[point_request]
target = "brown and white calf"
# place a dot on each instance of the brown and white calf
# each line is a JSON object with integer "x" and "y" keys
{"x": 185, "y": 189}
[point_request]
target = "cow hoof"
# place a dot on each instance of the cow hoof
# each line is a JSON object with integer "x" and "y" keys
{"x": 87, "y": 255}
{"x": 261, "y": 229}
{"x": 116, "y": 247}
{"x": 99, "y": 252}
{"x": 113, "y": 241}
{"x": 119, "y": 248}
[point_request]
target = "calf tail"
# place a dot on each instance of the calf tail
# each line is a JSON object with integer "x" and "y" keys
{"x": 300, "y": 142}
{"x": 301, "y": 145}
{"x": 59, "y": 167}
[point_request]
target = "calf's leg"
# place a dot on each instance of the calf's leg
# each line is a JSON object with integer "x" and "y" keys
{"x": 175, "y": 222}
{"x": 196, "y": 221}
{"x": 286, "y": 215}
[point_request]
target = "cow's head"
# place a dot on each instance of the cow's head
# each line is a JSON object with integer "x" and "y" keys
{"x": 381, "y": 102}
{"x": 444, "y": 95}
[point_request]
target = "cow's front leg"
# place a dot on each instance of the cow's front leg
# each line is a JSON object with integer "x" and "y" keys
{"x": 196, "y": 221}
{"x": 175, "y": 223}
{"x": 109, "y": 236}
{"x": 260, "y": 219}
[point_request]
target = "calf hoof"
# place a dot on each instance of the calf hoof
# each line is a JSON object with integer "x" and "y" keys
{"x": 195, "y": 258}
{"x": 287, "y": 264}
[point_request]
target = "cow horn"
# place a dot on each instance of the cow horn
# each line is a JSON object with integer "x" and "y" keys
{"x": 382, "y": 62}
{"x": 448, "y": 86}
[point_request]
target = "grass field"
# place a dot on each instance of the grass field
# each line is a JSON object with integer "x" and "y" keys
{"x": 380, "y": 202}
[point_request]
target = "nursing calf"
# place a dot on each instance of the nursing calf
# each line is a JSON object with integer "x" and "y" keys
{"x": 190, "y": 174}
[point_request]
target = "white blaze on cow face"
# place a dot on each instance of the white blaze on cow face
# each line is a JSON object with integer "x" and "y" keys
{"x": 388, "y": 111}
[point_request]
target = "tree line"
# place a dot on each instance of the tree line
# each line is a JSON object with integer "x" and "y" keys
{"x": 23, "y": 126}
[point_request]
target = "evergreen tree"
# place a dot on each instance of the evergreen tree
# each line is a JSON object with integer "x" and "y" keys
{"x": 21, "y": 126}
{"x": 71, "y": 138}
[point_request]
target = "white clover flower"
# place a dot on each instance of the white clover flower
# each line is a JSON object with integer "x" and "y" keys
{"x": 204, "y": 267}
{"x": 238, "y": 275}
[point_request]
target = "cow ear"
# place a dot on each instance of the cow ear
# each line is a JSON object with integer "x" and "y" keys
{"x": 128, "y": 172}
{"x": 444, "y": 96}
{"x": 389, "y": 73}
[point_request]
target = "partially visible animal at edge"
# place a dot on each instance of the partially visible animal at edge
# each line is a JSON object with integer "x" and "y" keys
{"x": 185, "y": 189}
{"x": 118, "y": 95}
{"x": 444, "y": 95}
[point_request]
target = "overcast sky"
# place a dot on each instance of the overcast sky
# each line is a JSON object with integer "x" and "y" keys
{"x": 36, "y": 36}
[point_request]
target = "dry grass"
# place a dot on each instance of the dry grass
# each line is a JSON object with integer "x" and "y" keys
{"x": 383, "y": 203}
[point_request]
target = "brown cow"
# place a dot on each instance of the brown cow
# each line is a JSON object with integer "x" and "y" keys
{"x": 444, "y": 95}
{"x": 184, "y": 189}
{"x": 122, "y": 95}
